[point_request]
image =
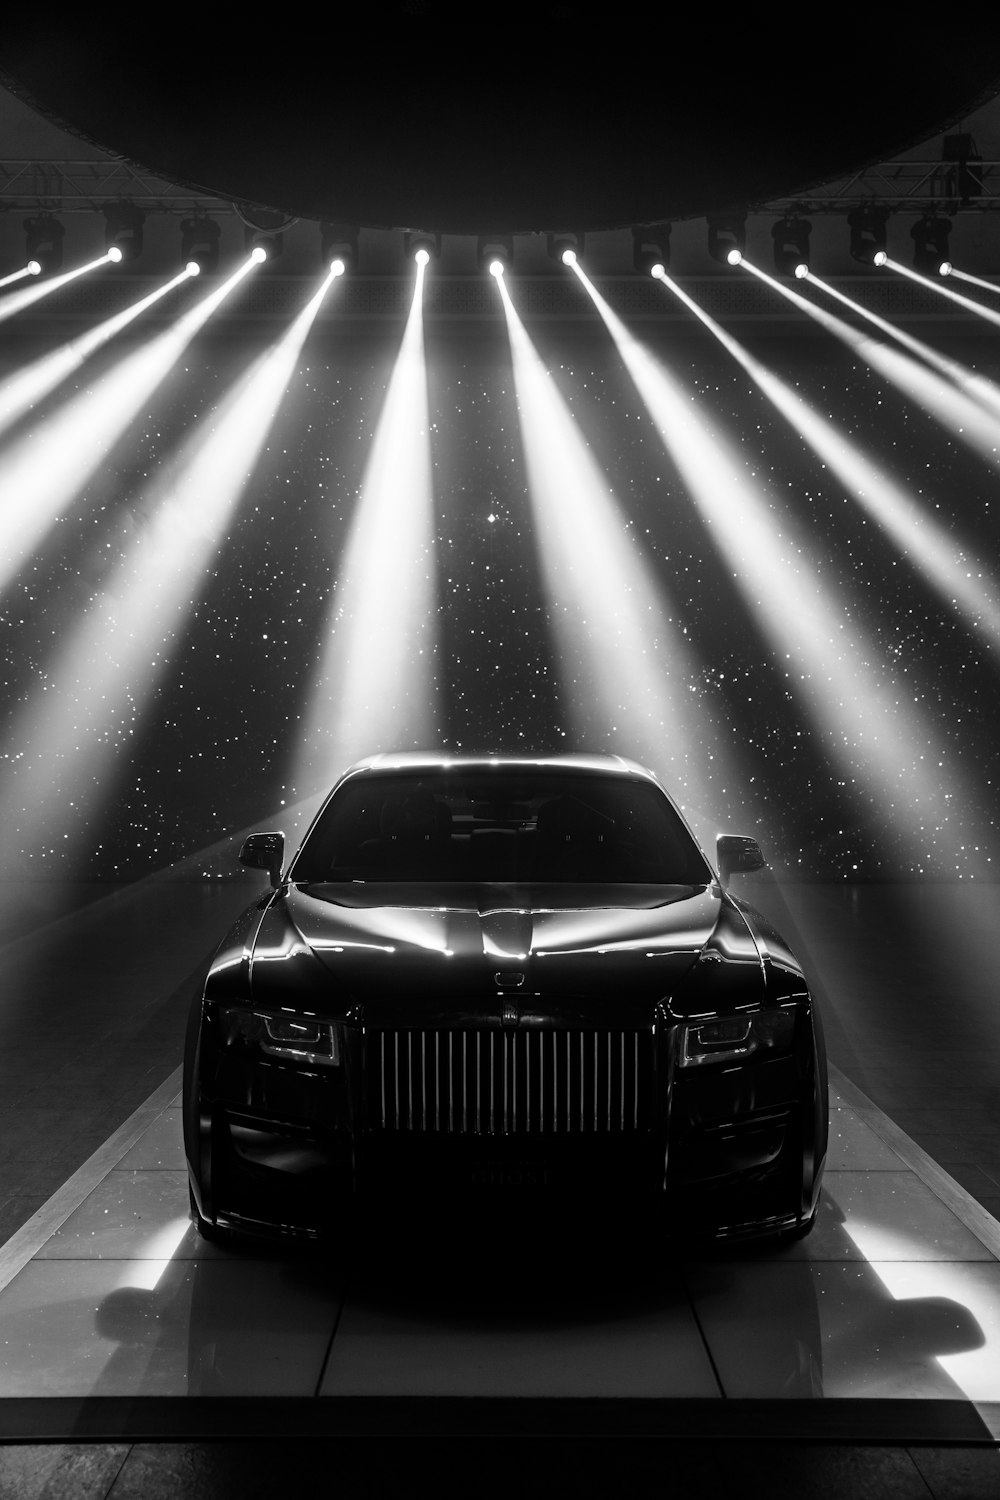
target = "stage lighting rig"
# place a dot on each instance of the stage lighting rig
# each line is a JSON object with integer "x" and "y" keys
{"x": 963, "y": 177}
{"x": 339, "y": 242}
{"x": 930, "y": 243}
{"x": 650, "y": 247}
{"x": 495, "y": 247}
{"x": 791, "y": 245}
{"x": 200, "y": 243}
{"x": 868, "y": 227}
{"x": 123, "y": 228}
{"x": 415, "y": 240}
{"x": 565, "y": 247}
{"x": 727, "y": 236}
{"x": 43, "y": 237}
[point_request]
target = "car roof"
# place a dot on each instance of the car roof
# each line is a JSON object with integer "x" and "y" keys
{"x": 425, "y": 760}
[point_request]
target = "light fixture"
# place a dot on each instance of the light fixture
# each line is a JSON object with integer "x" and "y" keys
{"x": 650, "y": 247}
{"x": 415, "y": 240}
{"x": 930, "y": 242}
{"x": 867, "y": 225}
{"x": 43, "y": 236}
{"x": 123, "y": 228}
{"x": 495, "y": 247}
{"x": 565, "y": 246}
{"x": 339, "y": 242}
{"x": 200, "y": 242}
{"x": 727, "y": 236}
{"x": 264, "y": 228}
{"x": 791, "y": 244}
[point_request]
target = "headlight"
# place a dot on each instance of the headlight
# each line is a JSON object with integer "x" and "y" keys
{"x": 285, "y": 1034}
{"x": 735, "y": 1038}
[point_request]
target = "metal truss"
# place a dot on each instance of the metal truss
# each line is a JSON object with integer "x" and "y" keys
{"x": 85, "y": 186}
{"x": 946, "y": 187}
{"x": 969, "y": 185}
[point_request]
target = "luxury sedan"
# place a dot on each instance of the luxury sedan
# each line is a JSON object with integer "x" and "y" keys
{"x": 503, "y": 981}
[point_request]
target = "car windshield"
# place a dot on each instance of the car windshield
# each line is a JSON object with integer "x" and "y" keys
{"x": 500, "y": 826}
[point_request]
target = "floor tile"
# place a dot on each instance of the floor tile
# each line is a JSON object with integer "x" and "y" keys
{"x": 161, "y": 1146}
{"x": 60, "y": 1471}
{"x": 894, "y": 1216}
{"x": 854, "y": 1144}
{"x": 792, "y": 1330}
{"x": 635, "y": 1347}
{"x": 130, "y": 1215}
{"x": 160, "y": 1328}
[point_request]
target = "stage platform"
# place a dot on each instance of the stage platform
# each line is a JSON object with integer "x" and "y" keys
{"x": 134, "y": 1357}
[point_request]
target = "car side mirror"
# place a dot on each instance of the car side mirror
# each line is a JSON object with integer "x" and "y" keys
{"x": 734, "y": 852}
{"x": 265, "y": 851}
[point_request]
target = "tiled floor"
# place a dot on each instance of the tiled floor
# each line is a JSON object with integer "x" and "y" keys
{"x": 893, "y": 1295}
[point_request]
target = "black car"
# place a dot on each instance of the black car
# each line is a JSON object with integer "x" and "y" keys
{"x": 503, "y": 979}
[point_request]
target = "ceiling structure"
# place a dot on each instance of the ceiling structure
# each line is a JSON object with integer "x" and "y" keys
{"x": 423, "y": 114}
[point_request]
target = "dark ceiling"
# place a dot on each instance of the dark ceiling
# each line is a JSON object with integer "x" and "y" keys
{"x": 545, "y": 116}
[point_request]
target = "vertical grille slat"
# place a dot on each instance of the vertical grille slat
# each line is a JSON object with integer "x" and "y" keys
{"x": 493, "y": 1082}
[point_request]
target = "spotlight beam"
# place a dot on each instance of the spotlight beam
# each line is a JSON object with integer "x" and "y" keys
{"x": 374, "y": 687}
{"x": 22, "y": 391}
{"x": 16, "y": 302}
{"x": 937, "y": 286}
{"x": 978, "y": 387}
{"x": 962, "y": 583}
{"x": 49, "y": 466}
{"x": 871, "y": 730}
{"x": 631, "y": 667}
{"x": 29, "y": 270}
{"x": 65, "y": 745}
{"x": 969, "y": 418}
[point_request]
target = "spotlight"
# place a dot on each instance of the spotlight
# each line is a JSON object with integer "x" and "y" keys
{"x": 43, "y": 237}
{"x": 123, "y": 228}
{"x": 868, "y": 233}
{"x": 565, "y": 247}
{"x": 930, "y": 242}
{"x": 415, "y": 243}
{"x": 650, "y": 247}
{"x": 339, "y": 242}
{"x": 791, "y": 245}
{"x": 200, "y": 242}
{"x": 263, "y": 246}
{"x": 495, "y": 247}
{"x": 496, "y": 268}
{"x": 263, "y": 228}
{"x": 727, "y": 236}
{"x": 34, "y": 268}
{"x": 116, "y": 254}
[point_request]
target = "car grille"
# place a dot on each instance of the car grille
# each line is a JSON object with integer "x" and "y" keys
{"x": 491, "y": 1082}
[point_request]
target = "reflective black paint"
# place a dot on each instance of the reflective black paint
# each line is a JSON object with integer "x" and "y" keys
{"x": 438, "y": 989}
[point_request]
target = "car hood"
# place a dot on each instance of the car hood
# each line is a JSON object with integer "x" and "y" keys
{"x": 404, "y": 946}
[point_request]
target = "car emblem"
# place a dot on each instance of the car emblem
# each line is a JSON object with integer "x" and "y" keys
{"x": 509, "y": 981}
{"x": 510, "y": 1016}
